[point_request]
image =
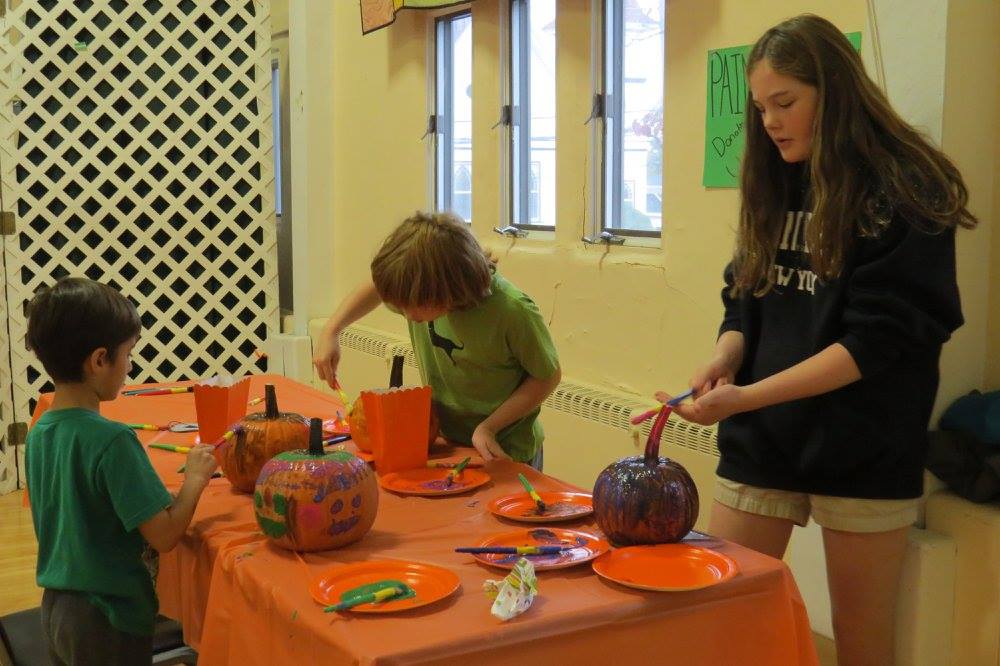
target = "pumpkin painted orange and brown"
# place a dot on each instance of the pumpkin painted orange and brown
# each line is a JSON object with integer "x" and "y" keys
{"x": 259, "y": 437}
{"x": 314, "y": 500}
{"x": 646, "y": 499}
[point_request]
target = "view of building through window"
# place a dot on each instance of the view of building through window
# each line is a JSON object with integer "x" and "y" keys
{"x": 633, "y": 159}
{"x": 533, "y": 113}
{"x": 454, "y": 115}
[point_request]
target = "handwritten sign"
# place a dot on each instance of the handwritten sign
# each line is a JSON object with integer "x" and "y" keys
{"x": 725, "y": 110}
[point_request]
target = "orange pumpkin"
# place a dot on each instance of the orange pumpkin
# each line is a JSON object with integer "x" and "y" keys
{"x": 259, "y": 437}
{"x": 313, "y": 500}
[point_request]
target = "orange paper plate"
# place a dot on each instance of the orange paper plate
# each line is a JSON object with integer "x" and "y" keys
{"x": 588, "y": 546}
{"x": 667, "y": 567}
{"x": 558, "y": 506}
{"x": 430, "y": 481}
{"x": 431, "y": 583}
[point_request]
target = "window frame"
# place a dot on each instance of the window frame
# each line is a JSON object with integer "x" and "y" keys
{"x": 441, "y": 124}
{"x": 608, "y": 175}
{"x": 517, "y": 176}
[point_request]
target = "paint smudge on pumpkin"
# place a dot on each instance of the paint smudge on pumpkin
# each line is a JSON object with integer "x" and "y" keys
{"x": 311, "y": 516}
{"x": 337, "y": 507}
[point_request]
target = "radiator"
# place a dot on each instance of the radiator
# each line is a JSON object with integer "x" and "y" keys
{"x": 586, "y": 427}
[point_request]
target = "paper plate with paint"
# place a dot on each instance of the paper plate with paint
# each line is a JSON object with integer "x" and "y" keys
{"x": 428, "y": 582}
{"x": 584, "y": 547}
{"x": 432, "y": 482}
{"x": 559, "y": 506}
{"x": 666, "y": 567}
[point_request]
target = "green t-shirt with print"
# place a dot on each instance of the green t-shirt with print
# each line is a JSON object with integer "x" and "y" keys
{"x": 91, "y": 485}
{"x": 474, "y": 359}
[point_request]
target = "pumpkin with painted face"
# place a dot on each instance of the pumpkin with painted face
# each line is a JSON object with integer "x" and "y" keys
{"x": 315, "y": 500}
{"x": 646, "y": 499}
{"x": 259, "y": 437}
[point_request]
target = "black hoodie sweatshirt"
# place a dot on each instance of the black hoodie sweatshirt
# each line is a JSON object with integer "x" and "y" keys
{"x": 893, "y": 306}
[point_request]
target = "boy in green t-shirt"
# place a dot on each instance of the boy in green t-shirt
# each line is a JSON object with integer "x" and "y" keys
{"x": 480, "y": 342}
{"x": 96, "y": 501}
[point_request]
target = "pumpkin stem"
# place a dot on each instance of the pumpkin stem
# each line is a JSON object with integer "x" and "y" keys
{"x": 315, "y": 437}
{"x": 396, "y": 374}
{"x": 270, "y": 402}
{"x": 652, "y": 454}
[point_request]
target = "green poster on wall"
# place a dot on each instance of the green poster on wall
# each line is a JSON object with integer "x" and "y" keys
{"x": 724, "y": 111}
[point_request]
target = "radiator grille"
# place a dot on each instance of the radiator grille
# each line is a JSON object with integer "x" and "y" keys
{"x": 588, "y": 402}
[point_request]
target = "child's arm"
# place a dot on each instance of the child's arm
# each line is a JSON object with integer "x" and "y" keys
{"x": 826, "y": 371}
{"x": 326, "y": 356}
{"x": 524, "y": 400}
{"x": 166, "y": 528}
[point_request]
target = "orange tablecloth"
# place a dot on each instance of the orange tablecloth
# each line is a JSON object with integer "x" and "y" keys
{"x": 242, "y": 601}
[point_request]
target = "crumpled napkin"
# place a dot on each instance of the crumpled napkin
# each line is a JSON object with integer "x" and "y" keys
{"x": 513, "y": 595}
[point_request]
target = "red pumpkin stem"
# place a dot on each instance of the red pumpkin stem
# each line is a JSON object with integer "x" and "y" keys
{"x": 315, "y": 437}
{"x": 270, "y": 402}
{"x": 652, "y": 455}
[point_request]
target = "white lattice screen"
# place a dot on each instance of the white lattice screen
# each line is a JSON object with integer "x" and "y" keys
{"x": 136, "y": 150}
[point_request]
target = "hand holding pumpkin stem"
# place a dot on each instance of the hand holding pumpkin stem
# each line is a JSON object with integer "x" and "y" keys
{"x": 717, "y": 404}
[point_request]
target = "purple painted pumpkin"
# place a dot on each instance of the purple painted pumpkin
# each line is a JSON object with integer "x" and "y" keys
{"x": 314, "y": 500}
{"x": 646, "y": 499}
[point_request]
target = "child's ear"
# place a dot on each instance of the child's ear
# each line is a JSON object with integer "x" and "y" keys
{"x": 97, "y": 360}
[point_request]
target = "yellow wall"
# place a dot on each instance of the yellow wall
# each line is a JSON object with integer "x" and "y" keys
{"x": 970, "y": 127}
{"x": 636, "y": 319}
{"x": 993, "y": 331}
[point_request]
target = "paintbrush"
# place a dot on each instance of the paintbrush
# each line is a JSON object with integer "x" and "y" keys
{"x": 236, "y": 429}
{"x": 370, "y": 598}
{"x": 170, "y": 447}
{"x": 143, "y": 393}
{"x": 673, "y": 402}
{"x": 336, "y": 439}
{"x": 453, "y": 474}
{"x": 450, "y": 465}
{"x": 514, "y": 550}
{"x": 531, "y": 491}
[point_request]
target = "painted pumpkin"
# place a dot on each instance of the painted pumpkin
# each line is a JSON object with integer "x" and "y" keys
{"x": 260, "y": 437}
{"x": 315, "y": 500}
{"x": 646, "y": 499}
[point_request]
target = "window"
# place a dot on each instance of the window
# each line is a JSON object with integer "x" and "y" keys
{"x": 533, "y": 113}
{"x": 631, "y": 136}
{"x": 462, "y": 190}
{"x": 453, "y": 115}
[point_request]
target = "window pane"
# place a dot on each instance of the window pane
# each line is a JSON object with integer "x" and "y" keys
{"x": 634, "y": 141}
{"x": 533, "y": 130}
{"x": 454, "y": 115}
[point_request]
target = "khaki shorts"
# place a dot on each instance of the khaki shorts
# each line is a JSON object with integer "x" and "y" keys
{"x": 846, "y": 514}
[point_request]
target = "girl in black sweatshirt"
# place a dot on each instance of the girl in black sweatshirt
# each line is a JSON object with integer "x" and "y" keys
{"x": 839, "y": 296}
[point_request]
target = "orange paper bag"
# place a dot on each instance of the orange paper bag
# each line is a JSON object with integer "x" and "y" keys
{"x": 219, "y": 407}
{"x": 398, "y": 420}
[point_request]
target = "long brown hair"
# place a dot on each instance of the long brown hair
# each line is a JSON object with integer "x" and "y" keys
{"x": 866, "y": 166}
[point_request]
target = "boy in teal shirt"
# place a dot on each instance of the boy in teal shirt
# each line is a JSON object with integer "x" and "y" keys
{"x": 97, "y": 504}
{"x": 480, "y": 342}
